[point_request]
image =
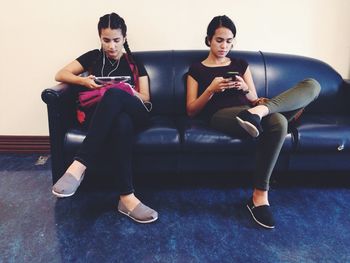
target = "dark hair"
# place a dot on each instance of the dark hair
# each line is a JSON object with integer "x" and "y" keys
{"x": 215, "y": 23}
{"x": 112, "y": 21}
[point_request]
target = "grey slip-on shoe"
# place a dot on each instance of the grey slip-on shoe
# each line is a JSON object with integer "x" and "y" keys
{"x": 141, "y": 213}
{"x": 67, "y": 185}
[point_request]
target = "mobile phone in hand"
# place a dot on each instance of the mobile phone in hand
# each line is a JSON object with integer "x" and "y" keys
{"x": 232, "y": 75}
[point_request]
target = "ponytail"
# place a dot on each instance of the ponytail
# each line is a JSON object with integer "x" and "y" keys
{"x": 128, "y": 51}
{"x": 133, "y": 66}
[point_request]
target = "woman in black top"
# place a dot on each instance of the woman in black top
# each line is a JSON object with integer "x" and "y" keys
{"x": 116, "y": 116}
{"x": 221, "y": 90}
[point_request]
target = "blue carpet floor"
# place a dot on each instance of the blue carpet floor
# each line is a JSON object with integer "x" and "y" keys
{"x": 199, "y": 221}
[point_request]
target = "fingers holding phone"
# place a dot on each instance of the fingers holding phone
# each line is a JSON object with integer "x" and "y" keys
{"x": 235, "y": 81}
{"x": 89, "y": 82}
{"x": 218, "y": 84}
{"x": 241, "y": 85}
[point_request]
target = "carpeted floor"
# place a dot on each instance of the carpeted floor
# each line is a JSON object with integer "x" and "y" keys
{"x": 200, "y": 220}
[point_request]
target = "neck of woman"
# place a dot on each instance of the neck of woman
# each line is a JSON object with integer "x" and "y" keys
{"x": 215, "y": 61}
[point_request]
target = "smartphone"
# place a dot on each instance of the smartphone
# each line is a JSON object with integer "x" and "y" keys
{"x": 232, "y": 75}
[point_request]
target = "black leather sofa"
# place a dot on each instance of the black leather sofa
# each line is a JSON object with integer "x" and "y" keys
{"x": 174, "y": 143}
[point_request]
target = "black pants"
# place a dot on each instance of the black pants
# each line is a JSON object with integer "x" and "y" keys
{"x": 115, "y": 119}
{"x": 282, "y": 109}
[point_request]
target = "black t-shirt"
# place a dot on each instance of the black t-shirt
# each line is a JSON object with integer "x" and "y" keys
{"x": 204, "y": 76}
{"x": 93, "y": 62}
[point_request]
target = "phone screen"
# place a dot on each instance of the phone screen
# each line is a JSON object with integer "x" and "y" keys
{"x": 231, "y": 74}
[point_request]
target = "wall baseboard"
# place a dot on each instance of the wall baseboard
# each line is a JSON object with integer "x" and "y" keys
{"x": 24, "y": 144}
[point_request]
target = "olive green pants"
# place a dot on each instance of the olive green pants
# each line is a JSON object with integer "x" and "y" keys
{"x": 282, "y": 109}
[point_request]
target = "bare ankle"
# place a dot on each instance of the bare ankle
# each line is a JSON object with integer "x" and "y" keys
{"x": 260, "y": 110}
{"x": 260, "y": 197}
{"x": 130, "y": 201}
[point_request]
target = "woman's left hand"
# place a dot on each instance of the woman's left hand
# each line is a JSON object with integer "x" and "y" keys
{"x": 240, "y": 84}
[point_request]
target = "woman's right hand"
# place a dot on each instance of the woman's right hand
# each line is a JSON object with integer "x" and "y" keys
{"x": 219, "y": 84}
{"x": 89, "y": 82}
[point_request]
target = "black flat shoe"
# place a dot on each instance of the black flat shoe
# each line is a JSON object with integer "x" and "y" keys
{"x": 261, "y": 214}
{"x": 249, "y": 122}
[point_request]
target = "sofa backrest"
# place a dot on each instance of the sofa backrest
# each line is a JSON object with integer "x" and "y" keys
{"x": 160, "y": 68}
{"x": 284, "y": 71}
{"x": 272, "y": 74}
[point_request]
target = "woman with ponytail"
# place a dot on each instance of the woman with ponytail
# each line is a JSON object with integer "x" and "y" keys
{"x": 115, "y": 117}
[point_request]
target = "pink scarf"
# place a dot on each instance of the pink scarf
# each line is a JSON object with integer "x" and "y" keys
{"x": 89, "y": 98}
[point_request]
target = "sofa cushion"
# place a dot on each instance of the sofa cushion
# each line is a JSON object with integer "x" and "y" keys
{"x": 197, "y": 136}
{"x": 160, "y": 136}
{"x": 323, "y": 133}
{"x": 73, "y": 139}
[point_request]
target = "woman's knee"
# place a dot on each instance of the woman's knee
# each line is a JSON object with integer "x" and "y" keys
{"x": 276, "y": 123}
{"x": 111, "y": 98}
{"x": 114, "y": 98}
{"x": 123, "y": 124}
{"x": 313, "y": 87}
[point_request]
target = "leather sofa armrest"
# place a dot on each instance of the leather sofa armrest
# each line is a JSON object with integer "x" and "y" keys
{"x": 54, "y": 94}
{"x": 61, "y": 103}
{"x": 61, "y": 109}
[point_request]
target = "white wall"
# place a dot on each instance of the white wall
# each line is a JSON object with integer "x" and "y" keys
{"x": 40, "y": 36}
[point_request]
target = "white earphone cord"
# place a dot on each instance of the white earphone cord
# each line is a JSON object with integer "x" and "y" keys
{"x": 143, "y": 103}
